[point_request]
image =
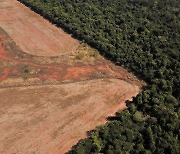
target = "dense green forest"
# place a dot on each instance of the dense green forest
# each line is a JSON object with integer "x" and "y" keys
{"x": 144, "y": 37}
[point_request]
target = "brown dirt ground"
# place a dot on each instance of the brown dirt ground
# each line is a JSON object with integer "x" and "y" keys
{"x": 50, "y": 119}
{"x": 48, "y": 103}
{"x": 18, "y": 66}
{"x": 34, "y": 35}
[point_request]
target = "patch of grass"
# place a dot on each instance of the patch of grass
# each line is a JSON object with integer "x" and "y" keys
{"x": 94, "y": 53}
{"x": 86, "y": 50}
{"x": 80, "y": 55}
{"x": 27, "y": 69}
{"x": 138, "y": 116}
{"x": 26, "y": 76}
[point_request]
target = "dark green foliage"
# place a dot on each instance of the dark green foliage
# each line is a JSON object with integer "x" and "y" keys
{"x": 143, "y": 36}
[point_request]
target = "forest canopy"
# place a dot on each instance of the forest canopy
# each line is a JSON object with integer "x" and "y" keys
{"x": 144, "y": 37}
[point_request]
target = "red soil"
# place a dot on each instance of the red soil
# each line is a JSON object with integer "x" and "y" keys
{"x": 4, "y": 74}
{"x": 59, "y": 73}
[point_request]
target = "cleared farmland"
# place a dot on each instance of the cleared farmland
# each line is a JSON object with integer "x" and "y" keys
{"x": 49, "y": 103}
{"x": 33, "y": 34}
{"x": 50, "y": 119}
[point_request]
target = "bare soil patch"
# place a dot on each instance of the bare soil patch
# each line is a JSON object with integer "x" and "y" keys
{"x": 33, "y": 34}
{"x": 18, "y": 66}
{"x": 50, "y": 119}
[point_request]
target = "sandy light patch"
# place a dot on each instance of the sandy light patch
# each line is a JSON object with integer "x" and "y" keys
{"x": 51, "y": 119}
{"x": 33, "y": 34}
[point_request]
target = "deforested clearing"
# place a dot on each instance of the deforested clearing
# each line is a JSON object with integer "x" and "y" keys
{"x": 50, "y": 119}
{"x": 53, "y": 88}
{"x": 33, "y": 34}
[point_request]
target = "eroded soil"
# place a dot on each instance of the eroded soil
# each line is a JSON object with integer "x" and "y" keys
{"x": 52, "y": 93}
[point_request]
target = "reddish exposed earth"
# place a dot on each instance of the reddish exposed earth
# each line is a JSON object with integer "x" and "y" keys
{"x": 52, "y": 88}
{"x": 18, "y": 65}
